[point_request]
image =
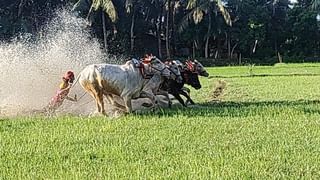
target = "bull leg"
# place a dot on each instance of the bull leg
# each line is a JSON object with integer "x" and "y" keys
{"x": 166, "y": 94}
{"x": 101, "y": 103}
{"x": 177, "y": 96}
{"x": 127, "y": 102}
{"x": 114, "y": 103}
{"x": 187, "y": 91}
{"x": 94, "y": 95}
{"x": 187, "y": 96}
{"x": 97, "y": 105}
{"x": 109, "y": 98}
{"x": 151, "y": 96}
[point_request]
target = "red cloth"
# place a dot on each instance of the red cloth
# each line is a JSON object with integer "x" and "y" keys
{"x": 57, "y": 100}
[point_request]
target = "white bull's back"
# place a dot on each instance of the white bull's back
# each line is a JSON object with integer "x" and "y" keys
{"x": 114, "y": 79}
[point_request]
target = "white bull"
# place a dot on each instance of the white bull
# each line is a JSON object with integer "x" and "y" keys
{"x": 126, "y": 81}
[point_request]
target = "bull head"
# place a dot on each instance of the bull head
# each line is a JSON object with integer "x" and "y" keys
{"x": 198, "y": 67}
{"x": 175, "y": 71}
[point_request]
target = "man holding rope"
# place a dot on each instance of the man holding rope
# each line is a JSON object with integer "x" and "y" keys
{"x": 62, "y": 93}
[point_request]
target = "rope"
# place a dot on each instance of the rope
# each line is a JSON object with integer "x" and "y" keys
{"x": 85, "y": 103}
{"x": 82, "y": 96}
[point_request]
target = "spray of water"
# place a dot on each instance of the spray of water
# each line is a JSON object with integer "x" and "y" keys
{"x": 31, "y": 70}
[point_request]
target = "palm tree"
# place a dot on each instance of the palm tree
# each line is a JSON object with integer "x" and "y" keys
{"x": 316, "y": 4}
{"x": 131, "y": 10}
{"x": 159, "y": 4}
{"x": 200, "y": 8}
{"x": 133, "y": 7}
{"x": 21, "y": 4}
{"x": 169, "y": 12}
{"x": 107, "y": 7}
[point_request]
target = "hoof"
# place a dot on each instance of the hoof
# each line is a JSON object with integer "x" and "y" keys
{"x": 97, "y": 114}
{"x": 117, "y": 114}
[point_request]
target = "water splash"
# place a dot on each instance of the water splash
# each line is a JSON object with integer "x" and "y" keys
{"x": 31, "y": 68}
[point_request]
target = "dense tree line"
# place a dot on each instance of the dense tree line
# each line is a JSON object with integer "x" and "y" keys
{"x": 225, "y": 31}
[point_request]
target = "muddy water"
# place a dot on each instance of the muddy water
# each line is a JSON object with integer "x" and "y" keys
{"x": 31, "y": 67}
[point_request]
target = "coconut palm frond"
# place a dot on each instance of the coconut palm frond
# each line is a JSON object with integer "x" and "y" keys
{"x": 224, "y": 13}
{"x": 177, "y": 4}
{"x": 129, "y": 5}
{"x": 76, "y": 5}
{"x": 109, "y": 8}
{"x": 197, "y": 15}
{"x": 191, "y": 4}
{"x": 96, "y": 4}
{"x": 315, "y": 4}
{"x": 185, "y": 22}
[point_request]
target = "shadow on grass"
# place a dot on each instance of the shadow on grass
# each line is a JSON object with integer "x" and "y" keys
{"x": 238, "y": 109}
{"x": 227, "y": 109}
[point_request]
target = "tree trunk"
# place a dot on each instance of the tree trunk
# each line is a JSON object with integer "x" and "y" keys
{"x": 206, "y": 51}
{"x": 229, "y": 47}
{"x": 255, "y": 46}
{"x": 104, "y": 32}
{"x": 194, "y": 49}
{"x": 218, "y": 48}
{"x": 167, "y": 29}
{"x": 216, "y": 54}
{"x": 172, "y": 29}
{"x": 20, "y": 7}
{"x": 132, "y": 32}
{"x": 233, "y": 49}
{"x": 90, "y": 11}
{"x": 159, "y": 27}
{"x": 279, "y": 57}
{"x": 277, "y": 52}
{"x": 115, "y": 31}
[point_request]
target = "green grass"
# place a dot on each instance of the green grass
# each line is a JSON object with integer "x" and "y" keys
{"x": 278, "y": 69}
{"x": 263, "y": 128}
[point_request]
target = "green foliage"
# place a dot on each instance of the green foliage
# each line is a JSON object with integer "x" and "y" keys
{"x": 304, "y": 32}
{"x": 276, "y": 25}
{"x": 18, "y": 16}
{"x": 200, "y": 8}
{"x": 107, "y": 6}
{"x": 315, "y": 4}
